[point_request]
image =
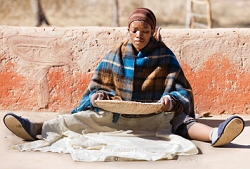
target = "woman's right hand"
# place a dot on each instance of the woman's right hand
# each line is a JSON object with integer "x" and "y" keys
{"x": 96, "y": 96}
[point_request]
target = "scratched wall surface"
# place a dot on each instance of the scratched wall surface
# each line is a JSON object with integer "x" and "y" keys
{"x": 48, "y": 69}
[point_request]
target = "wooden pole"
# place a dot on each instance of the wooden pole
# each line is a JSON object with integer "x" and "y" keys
{"x": 116, "y": 14}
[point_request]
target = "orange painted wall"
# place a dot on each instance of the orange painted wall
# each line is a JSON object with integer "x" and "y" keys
{"x": 48, "y": 69}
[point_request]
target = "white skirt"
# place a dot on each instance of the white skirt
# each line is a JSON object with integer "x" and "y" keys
{"x": 89, "y": 136}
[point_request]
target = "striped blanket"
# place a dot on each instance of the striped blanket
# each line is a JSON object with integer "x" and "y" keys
{"x": 144, "y": 77}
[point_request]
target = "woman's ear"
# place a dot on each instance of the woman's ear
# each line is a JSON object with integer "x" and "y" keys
{"x": 157, "y": 34}
{"x": 153, "y": 32}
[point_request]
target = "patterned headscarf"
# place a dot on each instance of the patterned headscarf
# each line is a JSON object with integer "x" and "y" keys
{"x": 143, "y": 14}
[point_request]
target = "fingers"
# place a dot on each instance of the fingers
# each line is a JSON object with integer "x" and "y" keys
{"x": 96, "y": 96}
{"x": 166, "y": 101}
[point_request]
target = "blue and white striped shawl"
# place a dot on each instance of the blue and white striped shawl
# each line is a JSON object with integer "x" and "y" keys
{"x": 145, "y": 77}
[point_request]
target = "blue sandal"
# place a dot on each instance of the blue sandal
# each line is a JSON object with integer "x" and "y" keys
{"x": 20, "y": 126}
{"x": 229, "y": 130}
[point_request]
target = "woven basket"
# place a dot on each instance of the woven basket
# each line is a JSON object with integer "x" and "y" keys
{"x": 128, "y": 107}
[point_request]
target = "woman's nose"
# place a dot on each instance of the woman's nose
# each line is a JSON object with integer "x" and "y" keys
{"x": 138, "y": 33}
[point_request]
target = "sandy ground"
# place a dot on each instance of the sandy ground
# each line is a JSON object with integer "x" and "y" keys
{"x": 234, "y": 155}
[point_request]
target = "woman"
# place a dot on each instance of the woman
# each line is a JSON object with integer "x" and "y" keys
{"x": 144, "y": 69}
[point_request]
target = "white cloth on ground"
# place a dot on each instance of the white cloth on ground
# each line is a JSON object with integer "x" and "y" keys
{"x": 89, "y": 136}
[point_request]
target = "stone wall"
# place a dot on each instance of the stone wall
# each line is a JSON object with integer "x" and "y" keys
{"x": 48, "y": 69}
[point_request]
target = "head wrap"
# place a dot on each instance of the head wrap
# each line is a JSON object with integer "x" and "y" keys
{"x": 143, "y": 14}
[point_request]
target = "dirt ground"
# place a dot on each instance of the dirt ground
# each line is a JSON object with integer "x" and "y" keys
{"x": 74, "y": 13}
{"x": 232, "y": 156}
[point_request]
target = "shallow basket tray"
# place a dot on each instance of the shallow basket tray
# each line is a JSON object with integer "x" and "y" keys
{"x": 128, "y": 107}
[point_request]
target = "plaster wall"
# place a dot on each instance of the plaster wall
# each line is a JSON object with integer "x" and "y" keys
{"x": 48, "y": 69}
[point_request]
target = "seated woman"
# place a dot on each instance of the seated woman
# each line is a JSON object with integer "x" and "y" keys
{"x": 143, "y": 69}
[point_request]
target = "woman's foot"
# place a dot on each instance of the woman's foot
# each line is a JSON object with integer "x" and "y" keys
{"x": 227, "y": 131}
{"x": 20, "y": 126}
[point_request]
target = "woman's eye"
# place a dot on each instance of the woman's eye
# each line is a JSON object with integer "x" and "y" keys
{"x": 143, "y": 32}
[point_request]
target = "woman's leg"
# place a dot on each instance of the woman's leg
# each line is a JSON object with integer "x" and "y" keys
{"x": 226, "y": 132}
{"x": 199, "y": 131}
{"x": 188, "y": 127}
{"x": 39, "y": 127}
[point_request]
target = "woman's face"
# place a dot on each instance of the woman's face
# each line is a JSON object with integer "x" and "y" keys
{"x": 140, "y": 33}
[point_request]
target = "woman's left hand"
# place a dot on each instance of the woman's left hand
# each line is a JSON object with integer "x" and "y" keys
{"x": 167, "y": 104}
